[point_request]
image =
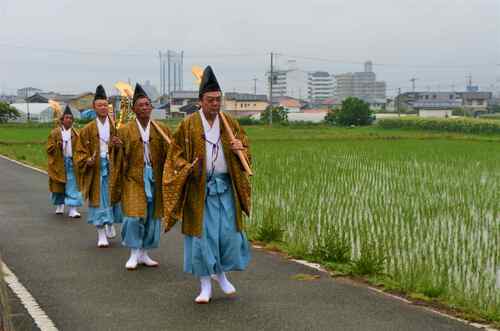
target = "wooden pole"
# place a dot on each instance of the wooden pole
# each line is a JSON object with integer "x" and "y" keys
{"x": 160, "y": 131}
{"x": 240, "y": 154}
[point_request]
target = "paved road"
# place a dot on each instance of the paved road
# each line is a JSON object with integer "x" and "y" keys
{"x": 81, "y": 287}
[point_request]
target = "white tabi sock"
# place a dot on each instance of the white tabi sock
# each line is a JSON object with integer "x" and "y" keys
{"x": 102, "y": 241}
{"x": 60, "y": 209}
{"x": 225, "y": 284}
{"x": 133, "y": 259}
{"x": 73, "y": 212}
{"x": 110, "y": 231}
{"x": 145, "y": 259}
{"x": 206, "y": 290}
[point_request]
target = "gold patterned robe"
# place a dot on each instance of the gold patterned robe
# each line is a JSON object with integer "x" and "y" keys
{"x": 88, "y": 146}
{"x": 55, "y": 158}
{"x": 128, "y": 179}
{"x": 184, "y": 185}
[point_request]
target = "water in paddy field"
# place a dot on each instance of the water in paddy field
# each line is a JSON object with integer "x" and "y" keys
{"x": 430, "y": 207}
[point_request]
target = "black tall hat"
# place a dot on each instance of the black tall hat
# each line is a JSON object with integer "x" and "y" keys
{"x": 67, "y": 111}
{"x": 139, "y": 93}
{"x": 100, "y": 93}
{"x": 208, "y": 82}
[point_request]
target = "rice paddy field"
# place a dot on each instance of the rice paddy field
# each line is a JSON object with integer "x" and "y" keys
{"x": 422, "y": 209}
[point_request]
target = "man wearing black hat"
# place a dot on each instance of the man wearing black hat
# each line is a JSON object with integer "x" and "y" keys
{"x": 208, "y": 189}
{"x": 61, "y": 168}
{"x": 141, "y": 159}
{"x": 94, "y": 160}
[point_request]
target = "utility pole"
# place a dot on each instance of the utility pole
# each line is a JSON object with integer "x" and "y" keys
{"x": 412, "y": 80}
{"x": 181, "y": 73}
{"x": 271, "y": 79}
{"x": 255, "y": 86}
{"x": 397, "y": 102}
{"x": 161, "y": 74}
{"x": 468, "y": 82}
{"x": 175, "y": 76}
{"x": 168, "y": 70}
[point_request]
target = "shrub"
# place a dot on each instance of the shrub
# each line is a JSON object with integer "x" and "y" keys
{"x": 353, "y": 111}
{"x": 461, "y": 125}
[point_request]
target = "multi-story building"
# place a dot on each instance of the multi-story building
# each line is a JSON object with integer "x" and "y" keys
{"x": 426, "y": 102}
{"x": 27, "y": 92}
{"x": 362, "y": 85}
{"x": 321, "y": 86}
{"x": 292, "y": 82}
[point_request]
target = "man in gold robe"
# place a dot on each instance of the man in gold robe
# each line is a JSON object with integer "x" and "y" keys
{"x": 205, "y": 186}
{"x": 95, "y": 153}
{"x": 141, "y": 158}
{"x": 63, "y": 185}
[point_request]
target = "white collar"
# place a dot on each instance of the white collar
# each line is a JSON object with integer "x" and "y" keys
{"x": 66, "y": 134}
{"x": 144, "y": 132}
{"x": 103, "y": 128}
{"x": 212, "y": 133}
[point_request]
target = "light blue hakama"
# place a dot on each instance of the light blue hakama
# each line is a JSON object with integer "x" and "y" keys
{"x": 221, "y": 247}
{"x": 138, "y": 232}
{"x": 71, "y": 197}
{"x": 105, "y": 213}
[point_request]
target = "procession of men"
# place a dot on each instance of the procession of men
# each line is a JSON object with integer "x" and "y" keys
{"x": 145, "y": 178}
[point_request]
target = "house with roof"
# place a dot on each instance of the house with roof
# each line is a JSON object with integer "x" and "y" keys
{"x": 36, "y": 107}
{"x": 179, "y": 99}
{"x": 244, "y": 104}
{"x": 476, "y": 102}
{"x": 290, "y": 105}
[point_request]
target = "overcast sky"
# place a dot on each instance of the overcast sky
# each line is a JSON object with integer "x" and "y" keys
{"x": 71, "y": 46}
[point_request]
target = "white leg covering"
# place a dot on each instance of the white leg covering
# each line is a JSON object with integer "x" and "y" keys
{"x": 132, "y": 261}
{"x": 102, "y": 241}
{"x": 60, "y": 209}
{"x": 145, "y": 259}
{"x": 206, "y": 290}
{"x": 110, "y": 231}
{"x": 225, "y": 284}
{"x": 73, "y": 212}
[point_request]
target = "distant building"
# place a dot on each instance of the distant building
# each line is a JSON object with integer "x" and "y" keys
{"x": 438, "y": 113}
{"x": 36, "y": 107}
{"x": 179, "y": 99}
{"x": 477, "y": 101}
{"x": 244, "y": 104}
{"x": 27, "y": 92}
{"x": 8, "y": 98}
{"x": 321, "y": 86}
{"x": 291, "y": 81}
{"x": 47, "y": 115}
{"x": 432, "y": 100}
{"x": 441, "y": 104}
{"x": 362, "y": 85}
{"x": 30, "y": 111}
{"x": 151, "y": 90}
{"x": 290, "y": 105}
{"x": 308, "y": 115}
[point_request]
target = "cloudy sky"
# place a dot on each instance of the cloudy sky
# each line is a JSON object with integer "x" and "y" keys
{"x": 71, "y": 46}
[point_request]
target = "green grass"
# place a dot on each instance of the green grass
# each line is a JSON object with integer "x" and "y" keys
{"x": 427, "y": 210}
{"x": 33, "y": 154}
{"x": 417, "y": 210}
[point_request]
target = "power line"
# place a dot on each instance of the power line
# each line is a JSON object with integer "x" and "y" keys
{"x": 123, "y": 53}
{"x": 462, "y": 66}
{"x": 127, "y": 53}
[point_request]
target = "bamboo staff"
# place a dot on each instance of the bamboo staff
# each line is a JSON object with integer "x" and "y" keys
{"x": 160, "y": 131}
{"x": 240, "y": 154}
